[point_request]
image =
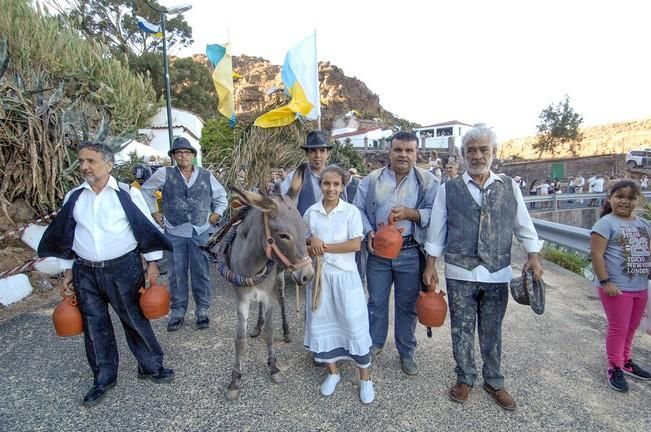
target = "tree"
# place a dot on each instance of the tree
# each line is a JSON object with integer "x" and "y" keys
{"x": 559, "y": 126}
{"x": 218, "y": 141}
{"x": 114, "y": 22}
{"x": 192, "y": 87}
{"x": 346, "y": 156}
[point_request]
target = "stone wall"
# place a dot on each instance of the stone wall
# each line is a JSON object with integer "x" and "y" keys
{"x": 587, "y": 166}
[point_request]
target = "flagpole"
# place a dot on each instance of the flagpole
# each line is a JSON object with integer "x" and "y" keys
{"x": 318, "y": 90}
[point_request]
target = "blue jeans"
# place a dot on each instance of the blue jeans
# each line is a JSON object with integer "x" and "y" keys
{"x": 188, "y": 261}
{"x": 483, "y": 305}
{"x": 404, "y": 273}
{"x": 118, "y": 286}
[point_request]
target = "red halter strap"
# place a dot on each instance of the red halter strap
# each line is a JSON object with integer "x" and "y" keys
{"x": 271, "y": 247}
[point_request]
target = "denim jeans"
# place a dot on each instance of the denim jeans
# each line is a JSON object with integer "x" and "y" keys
{"x": 484, "y": 305}
{"x": 187, "y": 262}
{"x": 118, "y": 286}
{"x": 404, "y": 273}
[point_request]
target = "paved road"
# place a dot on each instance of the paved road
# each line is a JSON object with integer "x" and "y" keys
{"x": 554, "y": 366}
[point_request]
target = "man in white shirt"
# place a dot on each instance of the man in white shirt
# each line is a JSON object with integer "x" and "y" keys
{"x": 580, "y": 184}
{"x": 99, "y": 235}
{"x": 473, "y": 220}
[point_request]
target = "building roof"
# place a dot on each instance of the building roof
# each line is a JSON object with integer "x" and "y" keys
{"x": 357, "y": 132}
{"x": 447, "y": 123}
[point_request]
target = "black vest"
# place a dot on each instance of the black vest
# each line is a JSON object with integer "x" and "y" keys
{"x": 59, "y": 236}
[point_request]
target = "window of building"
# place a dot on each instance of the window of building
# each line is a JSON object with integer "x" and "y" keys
{"x": 447, "y": 131}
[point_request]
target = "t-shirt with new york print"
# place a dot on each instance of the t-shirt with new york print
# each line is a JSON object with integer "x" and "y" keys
{"x": 627, "y": 256}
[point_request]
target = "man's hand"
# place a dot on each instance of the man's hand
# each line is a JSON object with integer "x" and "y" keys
{"x": 430, "y": 277}
{"x": 403, "y": 213}
{"x": 214, "y": 218}
{"x": 158, "y": 217}
{"x": 152, "y": 271}
{"x": 369, "y": 241}
{"x": 533, "y": 264}
{"x": 67, "y": 280}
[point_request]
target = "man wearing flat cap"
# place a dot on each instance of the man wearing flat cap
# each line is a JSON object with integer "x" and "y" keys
{"x": 193, "y": 199}
{"x": 317, "y": 149}
{"x": 473, "y": 220}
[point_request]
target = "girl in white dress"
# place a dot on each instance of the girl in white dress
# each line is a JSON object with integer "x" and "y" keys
{"x": 338, "y": 328}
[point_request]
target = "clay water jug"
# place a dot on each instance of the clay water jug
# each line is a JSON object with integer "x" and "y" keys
{"x": 431, "y": 308}
{"x": 388, "y": 240}
{"x": 67, "y": 316}
{"x": 155, "y": 300}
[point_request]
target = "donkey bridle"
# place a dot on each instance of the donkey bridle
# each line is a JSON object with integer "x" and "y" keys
{"x": 272, "y": 247}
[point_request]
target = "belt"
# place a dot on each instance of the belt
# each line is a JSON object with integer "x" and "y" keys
{"x": 408, "y": 241}
{"x": 107, "y": 263}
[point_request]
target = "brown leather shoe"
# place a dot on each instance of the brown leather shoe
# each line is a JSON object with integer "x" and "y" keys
{"x": 459, "y": 392}
{"x": 501, "y": 396}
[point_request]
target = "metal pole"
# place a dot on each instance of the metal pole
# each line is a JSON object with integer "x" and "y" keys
{"x": 166, "y": 77}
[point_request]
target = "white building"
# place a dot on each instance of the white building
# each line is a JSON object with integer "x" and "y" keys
{"x": 444, "y": 136}
{"x": 184, "y": 124}
{"x": 363, "y": 139}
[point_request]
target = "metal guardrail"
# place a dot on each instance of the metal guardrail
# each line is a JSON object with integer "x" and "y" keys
{"x": 571, "y": 237}
{"x": 556, "y": 198}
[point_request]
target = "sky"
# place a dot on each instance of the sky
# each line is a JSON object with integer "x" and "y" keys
{"x": 499, "y": 62}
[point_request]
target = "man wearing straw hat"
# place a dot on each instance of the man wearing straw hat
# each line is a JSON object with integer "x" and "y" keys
{"x": 193, "y": 199}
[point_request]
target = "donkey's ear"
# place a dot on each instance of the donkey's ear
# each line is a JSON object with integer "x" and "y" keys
{"x": 253, "y": 199}
{"x": 297, "y": 182}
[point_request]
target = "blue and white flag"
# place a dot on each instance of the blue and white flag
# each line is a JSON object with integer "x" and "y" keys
{"x": 148, "y": 27}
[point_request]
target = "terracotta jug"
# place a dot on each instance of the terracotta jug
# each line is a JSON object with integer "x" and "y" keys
{"x": 155, "y": 300}
{"x": 67, "y": 316}
{"x": 431, "y": 308}
{"x": 388, "y": 240}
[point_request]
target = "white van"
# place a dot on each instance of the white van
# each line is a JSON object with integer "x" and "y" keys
{"x": 638, "y": 158}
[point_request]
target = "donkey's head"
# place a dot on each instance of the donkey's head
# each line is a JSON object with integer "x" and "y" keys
{"x": 284, "y": 231}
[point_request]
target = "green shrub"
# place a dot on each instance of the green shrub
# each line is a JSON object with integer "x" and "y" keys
{"x": 572, "y": 261}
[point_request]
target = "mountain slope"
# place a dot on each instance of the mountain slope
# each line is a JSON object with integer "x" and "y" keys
{"x": 601, "y": 139}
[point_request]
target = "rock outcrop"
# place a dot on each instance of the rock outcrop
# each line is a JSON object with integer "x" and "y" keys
{"x": 261, "y": 86}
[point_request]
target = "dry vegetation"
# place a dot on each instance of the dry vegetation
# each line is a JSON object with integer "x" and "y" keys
{"x": 603, "y": 139}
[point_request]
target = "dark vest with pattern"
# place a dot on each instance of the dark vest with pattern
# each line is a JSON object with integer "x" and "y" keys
{"x": 182, "y": 204}
{"x": 59, "y": 236}
{"x": 480, "y": 235}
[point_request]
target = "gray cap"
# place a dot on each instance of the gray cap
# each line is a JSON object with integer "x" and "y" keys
{"x": 529, "y": 291}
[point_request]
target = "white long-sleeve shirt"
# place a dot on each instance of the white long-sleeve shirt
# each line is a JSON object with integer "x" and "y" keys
{"x": 103, "y": 231}
{"x": 438, "y": 230}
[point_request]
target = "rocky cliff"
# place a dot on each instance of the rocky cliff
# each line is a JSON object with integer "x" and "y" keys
{"x": 261, "y": 86}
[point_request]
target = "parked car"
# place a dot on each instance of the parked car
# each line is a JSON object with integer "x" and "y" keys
{"x": 638, "y": 158}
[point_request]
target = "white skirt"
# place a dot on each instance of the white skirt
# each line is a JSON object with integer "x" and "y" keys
{"x": 341, "y": 321}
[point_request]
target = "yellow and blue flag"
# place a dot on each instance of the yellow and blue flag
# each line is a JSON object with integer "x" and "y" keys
{"x": 300, "y": 76}
{"x": 222, "y": 77}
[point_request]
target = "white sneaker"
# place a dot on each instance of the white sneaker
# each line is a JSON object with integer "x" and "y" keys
{"x": 366, "y": 391}
{"x": 330, "y": 384}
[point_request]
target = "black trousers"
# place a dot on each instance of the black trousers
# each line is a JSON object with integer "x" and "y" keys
{"x": 117, "y": 284}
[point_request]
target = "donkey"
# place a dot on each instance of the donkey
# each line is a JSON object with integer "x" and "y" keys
{"x": 271, "y": 235}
